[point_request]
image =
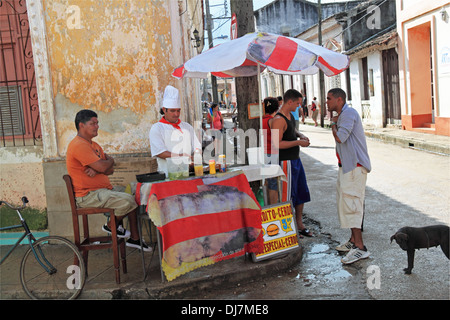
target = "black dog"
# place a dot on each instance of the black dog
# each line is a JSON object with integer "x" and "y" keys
{"x": 409, "y": 239}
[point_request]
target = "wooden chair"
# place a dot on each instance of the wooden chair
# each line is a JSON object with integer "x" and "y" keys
{"x": 95, "y": 243}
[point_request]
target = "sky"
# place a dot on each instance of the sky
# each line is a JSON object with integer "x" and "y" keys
{"x": 222, "y": 27}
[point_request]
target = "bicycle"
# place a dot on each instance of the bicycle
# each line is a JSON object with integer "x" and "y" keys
{"x": 52, "y": 267}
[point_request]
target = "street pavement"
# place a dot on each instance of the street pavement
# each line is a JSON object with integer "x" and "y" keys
{"x": 416, "y": 194}
{"x": 407, "y": 187}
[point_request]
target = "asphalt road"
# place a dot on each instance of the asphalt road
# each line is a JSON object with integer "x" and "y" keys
{"x": 405, "y": 188}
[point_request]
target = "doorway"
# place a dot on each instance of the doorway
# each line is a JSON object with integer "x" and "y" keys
{"x": 392, "y": 109}
{"x": 421, "y": 75}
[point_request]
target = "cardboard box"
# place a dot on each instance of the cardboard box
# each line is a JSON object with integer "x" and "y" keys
{"x": 126, "y": 169}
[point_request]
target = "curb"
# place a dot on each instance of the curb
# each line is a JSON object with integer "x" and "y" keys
{"x": 230, "y": 272}
{"x": 410, "y": 142}
{"x": 406, "y": 139}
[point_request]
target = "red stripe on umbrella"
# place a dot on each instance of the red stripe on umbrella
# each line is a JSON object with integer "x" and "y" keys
{"x": 329, "y": 67}
{"x": 283, "y": 54}
{"x": 179, "y": 72}
{"x": 221, "y": 75}
{"x": 249, "y": 62}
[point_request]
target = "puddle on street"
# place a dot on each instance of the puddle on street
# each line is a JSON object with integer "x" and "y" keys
{"x": 322, "y": 264}
{"x": 319, "y": 247}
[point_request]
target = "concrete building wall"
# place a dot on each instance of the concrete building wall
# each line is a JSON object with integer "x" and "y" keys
{"x": 424, "y": 50}
{"x": 295, "y": 16}
{"x": 371, "y": 109}
{"x": 109, "y": 63}
{"x": 114, "y": 57}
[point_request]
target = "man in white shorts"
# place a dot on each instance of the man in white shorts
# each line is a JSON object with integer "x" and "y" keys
{"x": 354, "y": 164}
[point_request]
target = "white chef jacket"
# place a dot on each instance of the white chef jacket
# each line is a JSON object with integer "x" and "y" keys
{"x": 165, "y": 137}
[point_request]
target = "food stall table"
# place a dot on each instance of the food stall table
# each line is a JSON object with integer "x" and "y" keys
{"x": 206, "y": 219}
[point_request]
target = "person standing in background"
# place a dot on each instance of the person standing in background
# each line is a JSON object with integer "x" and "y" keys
{"x": 270, "y": 108}
{"x": 315, "y": 110}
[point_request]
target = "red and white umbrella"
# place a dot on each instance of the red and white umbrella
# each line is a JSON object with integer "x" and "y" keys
{"x": 250, "y": 54}
{"x": 282, "y": 55}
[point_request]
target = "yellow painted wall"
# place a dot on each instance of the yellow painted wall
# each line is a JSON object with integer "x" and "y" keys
{"x": 111, "y": 56}
{"x": 114, "y": 57}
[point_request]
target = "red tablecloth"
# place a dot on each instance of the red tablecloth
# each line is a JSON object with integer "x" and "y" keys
{"x": 203, "y": 220}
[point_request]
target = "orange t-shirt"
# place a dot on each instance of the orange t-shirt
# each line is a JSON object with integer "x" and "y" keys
{"x": 80, "y": 154}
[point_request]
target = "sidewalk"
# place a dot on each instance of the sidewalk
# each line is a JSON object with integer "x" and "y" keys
{"x": 408, "y": 139}
{"x": 100, "y": 283}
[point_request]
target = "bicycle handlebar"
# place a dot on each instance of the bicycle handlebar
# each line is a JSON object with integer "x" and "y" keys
{"x": 24, "y": 203}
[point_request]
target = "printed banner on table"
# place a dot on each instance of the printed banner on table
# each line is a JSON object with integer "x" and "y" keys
{"x": 204, "y": 220}
{"x": 279, "y": 230}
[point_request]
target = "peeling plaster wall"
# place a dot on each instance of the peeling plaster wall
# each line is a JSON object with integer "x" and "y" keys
{"x": 114, "y": 57}
{"x": 21, "y": 173}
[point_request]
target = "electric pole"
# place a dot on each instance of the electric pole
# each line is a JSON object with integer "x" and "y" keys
{"x": 321, "y": 77}
{"x": 246, "y": 87}
{"x": 211, "y": 44}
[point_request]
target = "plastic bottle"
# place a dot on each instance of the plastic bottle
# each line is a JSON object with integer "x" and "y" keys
{"x": 198, "y": 163}
{"x": 260, "y": 196}
{"x": 212, "y": 166}
{"x": 222, "y": 163}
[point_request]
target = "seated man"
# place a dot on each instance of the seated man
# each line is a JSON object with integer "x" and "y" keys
{"x": 89, "y": 167}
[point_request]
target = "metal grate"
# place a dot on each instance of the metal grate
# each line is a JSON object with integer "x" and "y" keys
{"x": 19, "y": 109}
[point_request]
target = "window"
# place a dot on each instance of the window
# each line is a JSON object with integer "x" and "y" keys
{"x": 19, "y": 109}
{"x": 349, "y": 85}
{"x": 11, "y": 111}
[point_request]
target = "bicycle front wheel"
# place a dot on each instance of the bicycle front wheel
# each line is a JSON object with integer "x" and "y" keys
{"x": 52, "y": 268}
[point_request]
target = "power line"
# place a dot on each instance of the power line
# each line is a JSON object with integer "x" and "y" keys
{"x": 368, "y": 13}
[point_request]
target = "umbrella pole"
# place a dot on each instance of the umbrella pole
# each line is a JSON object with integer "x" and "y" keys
{"x": 261, "y": 141}
{"x": 261, "y": 133}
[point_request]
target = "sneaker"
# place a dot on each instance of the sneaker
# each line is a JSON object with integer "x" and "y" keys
{"x": 355, "y": 254}
{"x": 121, "y": 232}
{"x": 137, "y": 244}
{"x": 345, "y": 247}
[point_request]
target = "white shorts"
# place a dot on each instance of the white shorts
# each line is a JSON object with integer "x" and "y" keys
{"x": 351, "y": 189}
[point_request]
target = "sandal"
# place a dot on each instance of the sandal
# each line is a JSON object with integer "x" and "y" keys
{"x": 306, "y": 232}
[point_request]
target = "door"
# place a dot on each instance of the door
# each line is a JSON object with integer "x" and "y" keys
{"x": 392, "y": 111}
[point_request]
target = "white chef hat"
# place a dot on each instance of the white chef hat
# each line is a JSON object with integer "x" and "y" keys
{"x": 171, "y": 99}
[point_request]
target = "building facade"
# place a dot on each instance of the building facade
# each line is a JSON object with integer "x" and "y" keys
{"x": 112, "y": 56}
{"x": 370, "y": 40}
{"x": 423, "y": 29}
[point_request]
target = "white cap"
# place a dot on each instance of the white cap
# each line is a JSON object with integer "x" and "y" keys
{"x": 171, "y": 98}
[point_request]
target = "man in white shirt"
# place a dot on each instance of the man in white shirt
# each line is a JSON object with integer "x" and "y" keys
{"x": 171, "y": 137}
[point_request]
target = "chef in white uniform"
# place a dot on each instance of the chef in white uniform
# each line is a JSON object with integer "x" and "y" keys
{"x": 171, "y": 137}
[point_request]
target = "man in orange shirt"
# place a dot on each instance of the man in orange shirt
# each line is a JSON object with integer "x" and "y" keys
{"x": 89, "y": 167}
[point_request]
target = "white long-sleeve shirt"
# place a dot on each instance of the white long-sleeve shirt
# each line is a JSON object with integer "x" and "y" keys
{"x": 353, "y": 148}
{"x": 164, "y": 137}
